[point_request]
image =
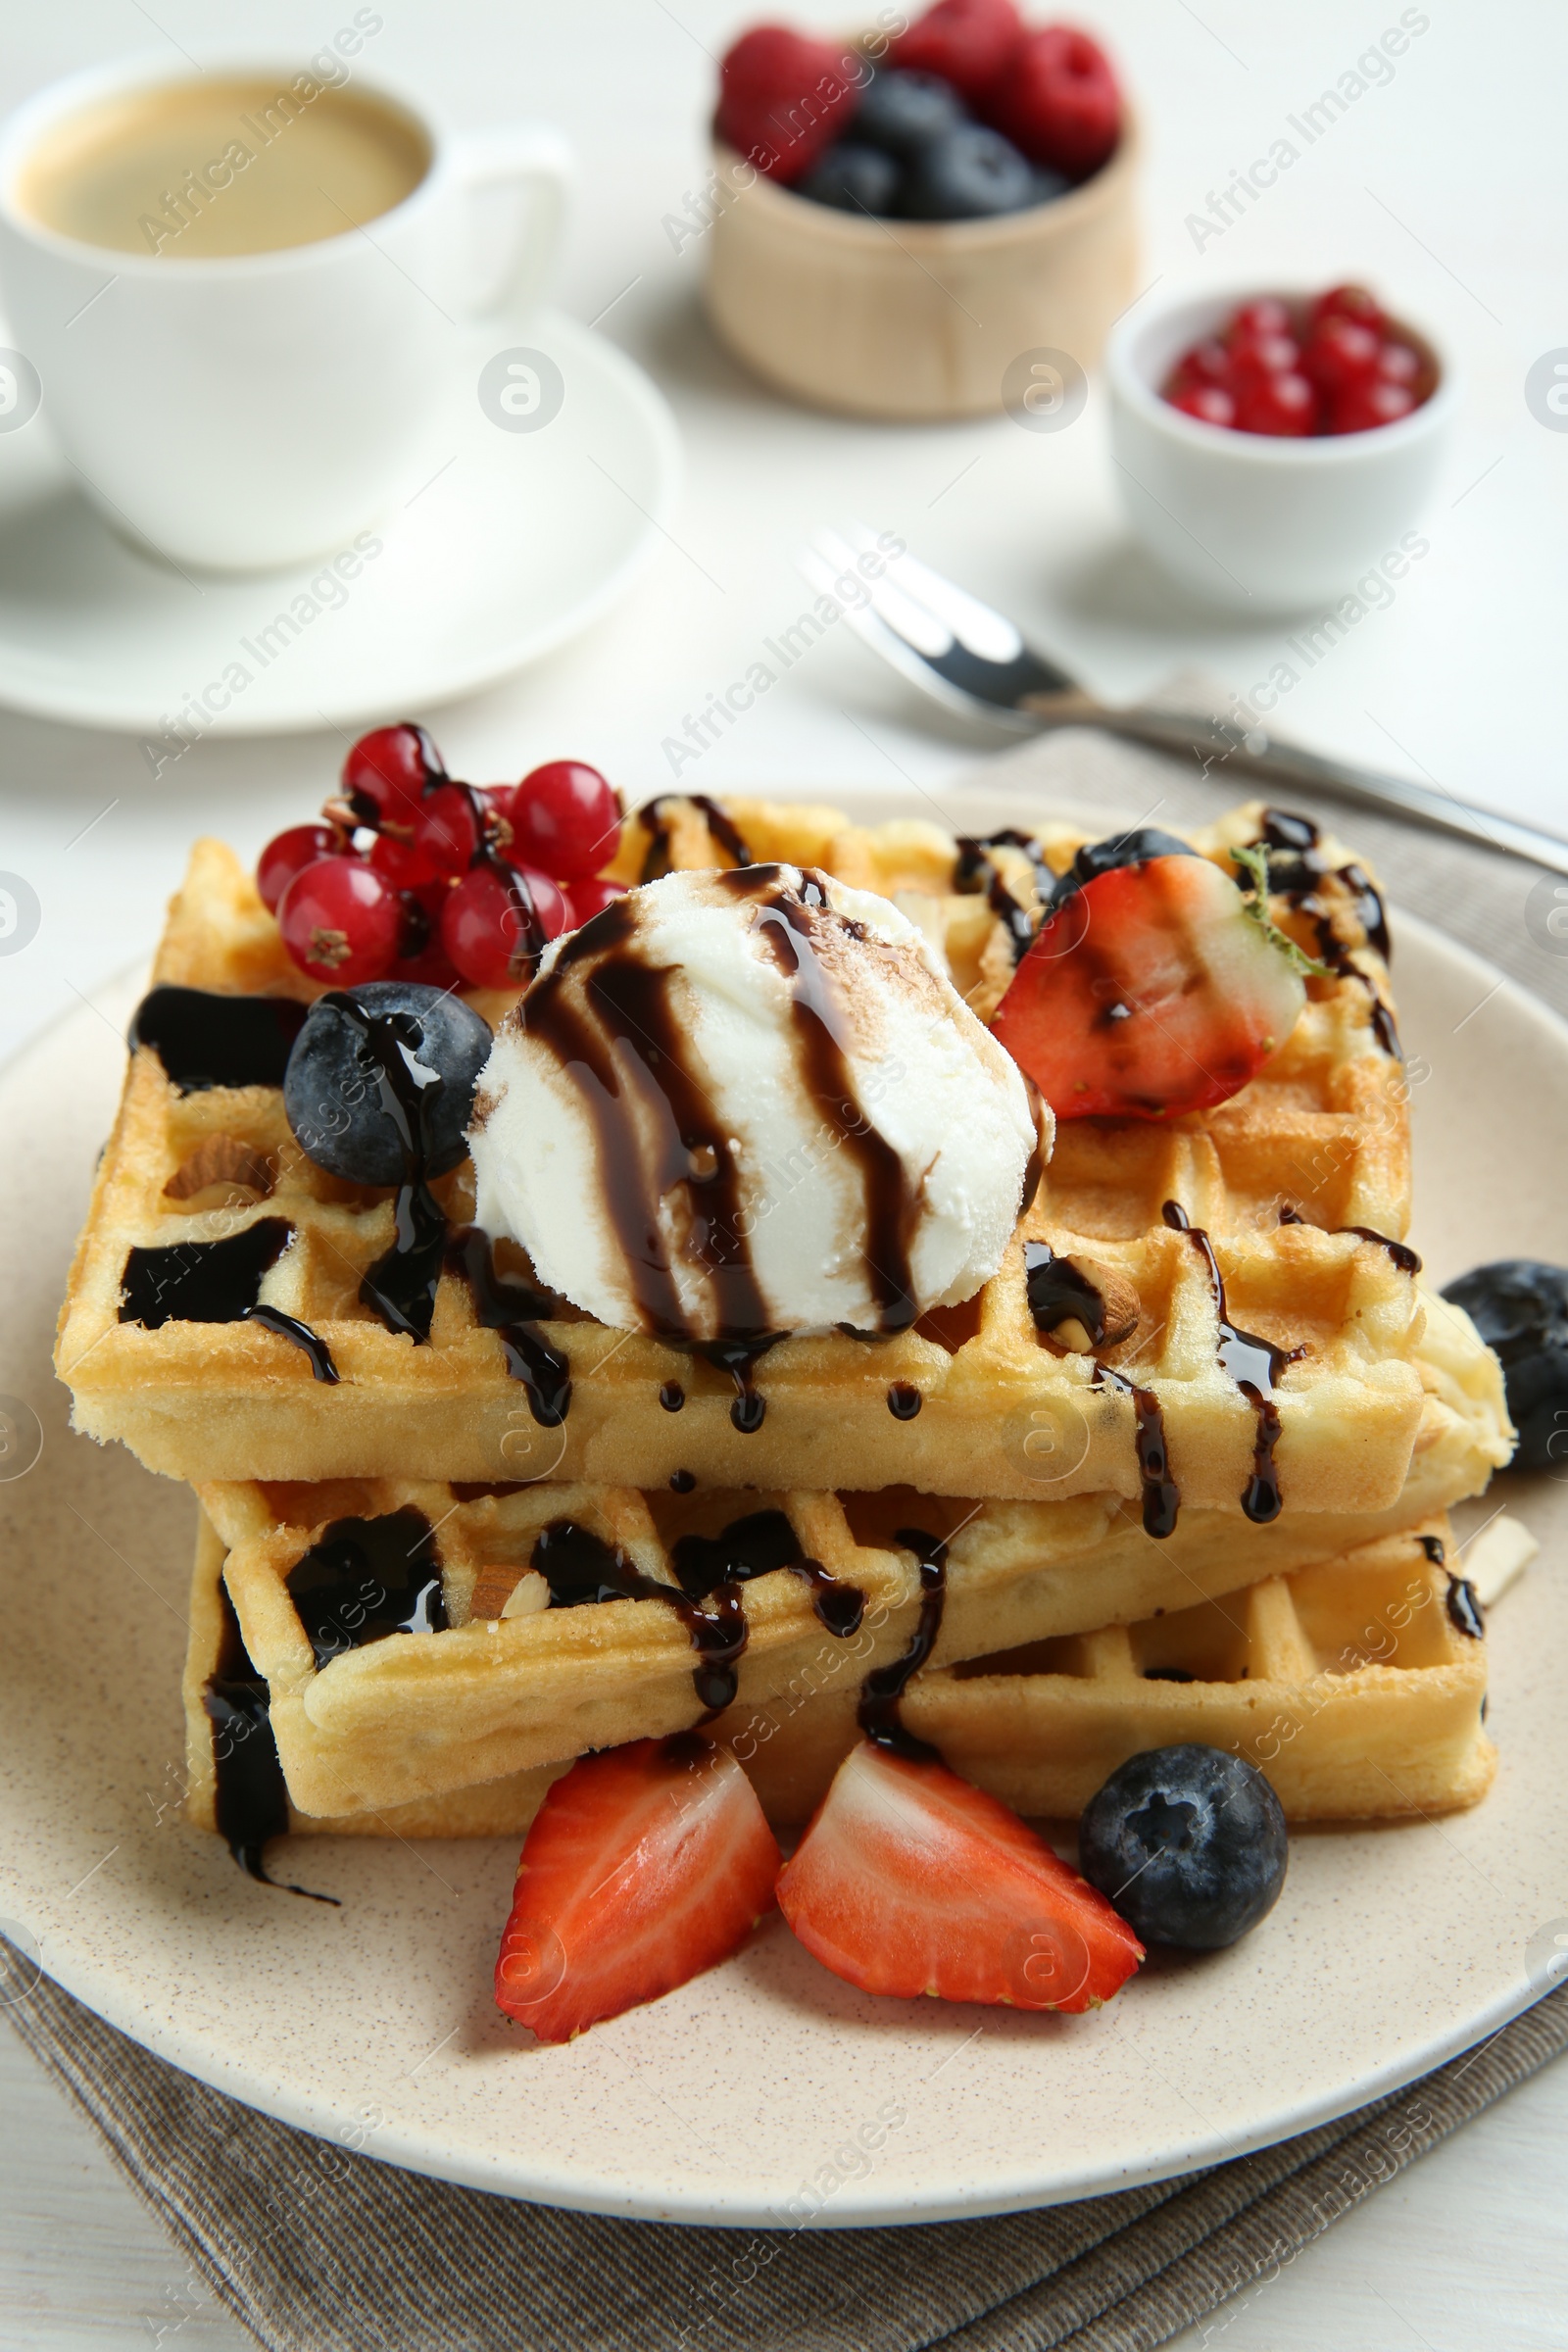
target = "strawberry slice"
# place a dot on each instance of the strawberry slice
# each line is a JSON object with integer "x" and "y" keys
{"x": 1153, "y": 990}
{"x": 910, "y": 1880}
{"x": 645, "y": 1865}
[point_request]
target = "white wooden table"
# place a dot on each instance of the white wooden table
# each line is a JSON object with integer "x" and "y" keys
{"x": 1444, "y": 187}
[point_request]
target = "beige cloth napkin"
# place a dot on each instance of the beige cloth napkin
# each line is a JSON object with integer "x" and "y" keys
{"x": 321, "y": 2250}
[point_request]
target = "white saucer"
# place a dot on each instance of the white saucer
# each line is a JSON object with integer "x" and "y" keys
{"x": 1393, "y": 1946}
{"x": 519, "y": 542}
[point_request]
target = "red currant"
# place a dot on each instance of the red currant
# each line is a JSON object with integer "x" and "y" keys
{"x": 564, "y": 820}
{"x": 591, "y": 898}
{"x": 1283, "y": 406}
{"x": 1341, "y": 354}
{"x": 420, "y": 953}
{"x": 1362, "y": 407}
{"x": 402, "y": 863}
{"x": 498, "y": 919}
{"x": 289, "y": 854}
{"x": 386, "y": 772}
{"x": 341, "y": 921}
{"x": 451, "y": 828}
{"x": 1253, "y": 356}
{"x": 1348, "y": 302}
{"x": 1267, "y": 316}
{"x": 1210, "y": 404}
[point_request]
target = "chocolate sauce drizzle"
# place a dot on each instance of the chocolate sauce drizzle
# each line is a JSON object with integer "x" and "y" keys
{"x": 1435, "y": 1550}
{"x": 201, "y": 1282}
{"x": 975, "y": 870}
{"x": 581, "y": 1569}
{"x": 627, "y": 1052}
{"x": 1403, "y": 1256}
{"x": 682, "y": 1481}
{"x": 671, "y": 1395}
{"x": 401, "y": 1286}
{"x": 738, "y": 1358}
{"x": 1256, "y": 1366}
{"x": 1161, "y": 1495}
{"x": 1296, "y": 876}
{"x": 514, "y": 1312}
{"x": 289, "y": 1326}
{"x": 884, "y": 1687}
{"x": 892, "y": 1209}
{"x": 650, "y": 817}
{"x": 756, "y": 1545}
{"x": 204, "y": 1039}
{"x": 1464, "y": 1608}
{"x": 250, "y": 1799}
{"x": 367, "y": 1579}
{"x": 904, "y": 1400}
{"x": 1059, "y": 1293}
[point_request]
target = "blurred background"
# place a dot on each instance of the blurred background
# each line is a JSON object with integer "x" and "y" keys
{"x": 1441, "y": 188}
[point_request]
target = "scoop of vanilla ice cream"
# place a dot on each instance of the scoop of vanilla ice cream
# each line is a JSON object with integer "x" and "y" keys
{"x": 749, "y": 1102}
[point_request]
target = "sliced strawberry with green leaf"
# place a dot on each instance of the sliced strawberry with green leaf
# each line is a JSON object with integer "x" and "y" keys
{"x": 645, "y": 1865}
{"x": 910, "y": 1880}
{"x": 1156, "y": 989}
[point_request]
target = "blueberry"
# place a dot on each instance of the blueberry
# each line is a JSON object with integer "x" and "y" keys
{"x": 1189, "y": 1844}
{"x": 1520, "y": 1308}
{"x": 855, "y": 180}
{"x": 334, "y": 1091}
{"x": 970, "y": 173}
{"x": 902, "y": 112}
{"x": 1098, "y": 858}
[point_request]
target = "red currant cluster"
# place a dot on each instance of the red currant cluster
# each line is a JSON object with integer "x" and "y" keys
{"x": 415, "y": 876}
{"x": 1345, "y": 367}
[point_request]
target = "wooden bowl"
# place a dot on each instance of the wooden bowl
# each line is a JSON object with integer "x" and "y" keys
{"x": 915, "y": 319}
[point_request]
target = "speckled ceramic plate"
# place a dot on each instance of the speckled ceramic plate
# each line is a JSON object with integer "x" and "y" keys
{"x": 751, "y": 2095}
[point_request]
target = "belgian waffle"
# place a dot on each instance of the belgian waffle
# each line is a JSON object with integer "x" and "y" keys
{"x": 499, "y": 1677}
{"x": 1356, "y": 1684}
{"x": 1321, "y": 1137}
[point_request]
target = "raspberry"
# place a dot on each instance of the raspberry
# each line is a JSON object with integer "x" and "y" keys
{"x": 1058, "y": 101}
{"x": 783, "y": 99}
{"x": 289, "y": 854}
{"x": 341, "y": 921}
{"x": 498, "y": 921}
{"x": 968, "y": 43}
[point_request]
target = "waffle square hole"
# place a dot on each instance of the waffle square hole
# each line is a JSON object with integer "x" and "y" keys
{"x": 1392, "y": 1616}
{"x": 875, "y": 1519}
{"x": 1205, "y": 1644}
{"x": 1062, "y": 1653}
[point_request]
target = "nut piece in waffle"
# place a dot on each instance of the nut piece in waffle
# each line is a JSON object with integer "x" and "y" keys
{"x": 1354, "y": 1685}
{"x": 215, "y": 1320}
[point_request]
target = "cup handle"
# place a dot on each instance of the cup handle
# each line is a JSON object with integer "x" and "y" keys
{"x": 512, "y": 255}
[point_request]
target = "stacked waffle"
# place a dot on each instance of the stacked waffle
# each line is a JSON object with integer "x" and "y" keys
{"x": 1178, "y": 1471}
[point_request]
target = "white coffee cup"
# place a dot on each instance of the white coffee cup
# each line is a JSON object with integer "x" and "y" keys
{"x": 244, "y": 413}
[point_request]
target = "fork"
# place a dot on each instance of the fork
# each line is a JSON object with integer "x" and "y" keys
{"x": 975, "y": 660}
